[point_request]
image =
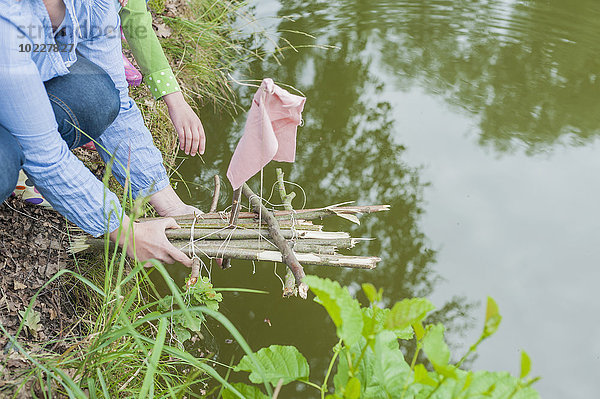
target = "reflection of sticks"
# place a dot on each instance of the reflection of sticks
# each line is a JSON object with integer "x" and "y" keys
{"x": 287, "y": 255}
{"x": 215, "y": 200}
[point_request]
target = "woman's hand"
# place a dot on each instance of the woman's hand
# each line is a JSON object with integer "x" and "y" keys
{"x": 151, "y": 241}
{"x": 123, "y": 3}
{"x": 187, "y": 124}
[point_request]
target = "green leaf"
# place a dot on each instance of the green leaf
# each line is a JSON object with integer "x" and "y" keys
{"x": 183, "y": 334}
{"x": 375, "y": 319}
{"x": 422, "y": 376}
{"x": 526, "y": 393}
{"x": 492, "y": 318}
{"x": 342, "y": 375}
{"x": 408, "y": 312}
{"x": 278, "y": 362}
{"x": 435, "y": 347}
{"x": 352, "y": 390}
{"x": 390, "y": 370}
{"x": 525, "y": 364}
{"x": 468, "y": 381}
{"x": 31, "y": 319}
{"x": 370, "y": 292}
{"x": 203, "y": 293}
{"x": 342, "y": 308}
{"x": 419, "y": 330}
{"x": 498, "y": 385}
{"x": 247, "y": 391}
{"x": 194, "y": 322}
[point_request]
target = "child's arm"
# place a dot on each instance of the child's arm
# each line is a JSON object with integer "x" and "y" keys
{"x": 136, "y": 21}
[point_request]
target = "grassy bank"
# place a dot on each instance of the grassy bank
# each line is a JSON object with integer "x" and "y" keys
{"x": 128, "y": 341}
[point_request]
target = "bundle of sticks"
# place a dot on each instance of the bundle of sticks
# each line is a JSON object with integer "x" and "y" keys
{"x": 287, "y": 236}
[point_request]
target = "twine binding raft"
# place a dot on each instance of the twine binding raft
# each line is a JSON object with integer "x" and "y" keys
{"x": 288, "y": 237}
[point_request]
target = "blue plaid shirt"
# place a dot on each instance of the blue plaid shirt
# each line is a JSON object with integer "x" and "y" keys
{"x": 92, "y": 28}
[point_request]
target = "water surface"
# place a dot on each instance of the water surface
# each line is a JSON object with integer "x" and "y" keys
{"x": 478, "y": 122}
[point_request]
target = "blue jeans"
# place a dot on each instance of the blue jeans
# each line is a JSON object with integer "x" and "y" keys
{"x": 85, "y": 102}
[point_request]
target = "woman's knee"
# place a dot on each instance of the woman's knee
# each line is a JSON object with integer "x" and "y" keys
{"x": 85, "y": 100}
{"x": 11, "y": 161}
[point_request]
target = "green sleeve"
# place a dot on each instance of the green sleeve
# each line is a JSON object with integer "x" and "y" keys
{"x": 136, "y": 21}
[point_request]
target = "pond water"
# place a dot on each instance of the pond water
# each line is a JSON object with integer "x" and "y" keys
{"x": 478, "y": 122}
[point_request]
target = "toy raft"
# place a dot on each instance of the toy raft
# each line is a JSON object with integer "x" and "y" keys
{"x": 287, "y": 236}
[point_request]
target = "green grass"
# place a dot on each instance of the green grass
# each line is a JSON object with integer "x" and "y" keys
{"x": 127, "y": 348}
{"x": 203, "y": 51}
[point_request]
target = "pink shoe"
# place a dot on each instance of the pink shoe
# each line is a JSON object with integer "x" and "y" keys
{"x": 133, "y": 76}
{"x": 89, "y": 146}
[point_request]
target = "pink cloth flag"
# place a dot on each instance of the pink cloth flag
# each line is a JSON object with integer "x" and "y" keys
{"x": 269, "y": 134}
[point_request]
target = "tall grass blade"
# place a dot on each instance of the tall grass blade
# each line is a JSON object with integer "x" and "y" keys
{"x": 148, "y": 384}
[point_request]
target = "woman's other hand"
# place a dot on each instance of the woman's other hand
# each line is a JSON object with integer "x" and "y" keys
{"x": 192, "y": 140}
{"x": 123, "y": 2}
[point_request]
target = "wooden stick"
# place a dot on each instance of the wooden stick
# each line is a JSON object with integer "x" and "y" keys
{"x": 353, "y": 262}
{"x": 225, "y": 263}
{"x": 287, "y": 254}
{"x": 259, "y": 245}
{"x": 84, "y": 243}
{"x": 304, "y": 214}
{"x": 241, "y": 222}
{"x": 195, "y": 272}
{"x": 217, "y": 249}
{"x": 244, "y": 234}
{"x": 289, "y": 285}
{"x": 215, "y": 200}
{"x": 287, "y": 225}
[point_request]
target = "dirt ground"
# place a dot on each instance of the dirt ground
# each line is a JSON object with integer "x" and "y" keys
{"x": 33, "y": 242}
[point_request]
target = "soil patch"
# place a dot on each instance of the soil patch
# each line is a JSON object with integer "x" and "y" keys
{"x": 33, "y": 242}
